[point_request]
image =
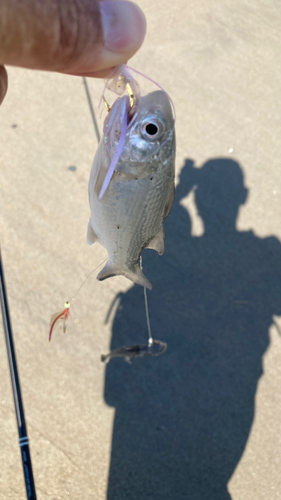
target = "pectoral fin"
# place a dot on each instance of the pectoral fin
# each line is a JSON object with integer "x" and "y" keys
{"x": 91, "y": 235}
{"x": 158, "y": 242}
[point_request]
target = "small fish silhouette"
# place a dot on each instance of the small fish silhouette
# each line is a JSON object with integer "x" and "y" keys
{"x": 153, "y": 348}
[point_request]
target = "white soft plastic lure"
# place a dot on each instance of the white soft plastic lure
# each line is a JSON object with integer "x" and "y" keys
{"x": 131, "y": 187}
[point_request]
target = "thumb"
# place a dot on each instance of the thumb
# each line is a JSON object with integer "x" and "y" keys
{"x": 121, "y": 28}
{"x": 85, "y": 37}
{"x": 3, "y": 83}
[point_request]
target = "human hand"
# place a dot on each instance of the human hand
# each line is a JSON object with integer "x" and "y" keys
{"x": 76, "y": 37}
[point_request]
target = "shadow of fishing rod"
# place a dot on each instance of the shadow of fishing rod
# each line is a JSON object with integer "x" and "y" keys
{"x": 23, "y": 438}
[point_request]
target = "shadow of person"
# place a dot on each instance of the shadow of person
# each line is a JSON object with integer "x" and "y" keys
{"x": 182, "y": 420}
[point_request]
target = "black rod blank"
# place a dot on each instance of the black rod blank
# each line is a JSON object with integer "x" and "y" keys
{"x": 23, "y": 438}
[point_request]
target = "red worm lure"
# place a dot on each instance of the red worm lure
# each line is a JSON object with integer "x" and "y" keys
{"x": 62, "y": 315}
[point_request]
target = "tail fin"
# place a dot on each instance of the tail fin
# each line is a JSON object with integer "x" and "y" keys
{"x": 105, "y": 358}
{"x": 134, "y": 274}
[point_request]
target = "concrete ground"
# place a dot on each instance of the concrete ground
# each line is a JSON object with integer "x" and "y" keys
{"x": 203, "y": 421}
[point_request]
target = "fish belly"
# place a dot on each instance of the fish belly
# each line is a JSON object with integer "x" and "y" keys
{"x": 128, "y": 217}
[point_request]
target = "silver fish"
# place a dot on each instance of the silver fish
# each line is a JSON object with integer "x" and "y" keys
{"x": 153, "y": 348}
{"x": 140, "y": 194}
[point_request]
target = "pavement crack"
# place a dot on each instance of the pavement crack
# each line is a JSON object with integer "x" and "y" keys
{"x": 55, "y": 445}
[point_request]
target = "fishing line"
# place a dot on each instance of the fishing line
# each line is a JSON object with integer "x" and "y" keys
{"x": 87, "y": 278}
{"x": 150, "y": 339}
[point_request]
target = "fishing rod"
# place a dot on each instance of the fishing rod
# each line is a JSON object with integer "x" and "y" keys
{"x": 23, "y": 438}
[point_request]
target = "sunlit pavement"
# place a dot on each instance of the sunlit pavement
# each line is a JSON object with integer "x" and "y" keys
{"x": 220, "y": 62}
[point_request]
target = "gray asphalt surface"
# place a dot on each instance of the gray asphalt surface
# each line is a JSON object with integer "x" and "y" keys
{"x": 203, "y": 421}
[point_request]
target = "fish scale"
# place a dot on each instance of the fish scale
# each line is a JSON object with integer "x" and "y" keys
{"x": 140, "y": 194}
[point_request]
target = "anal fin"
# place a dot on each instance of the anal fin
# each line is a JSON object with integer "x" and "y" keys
{"x": 158, "y": 242}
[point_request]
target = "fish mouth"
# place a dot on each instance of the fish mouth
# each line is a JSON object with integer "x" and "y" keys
{"x": 122, "y": 126}
{"x": 133, "y": 111}
{"x": 134, "y": 97}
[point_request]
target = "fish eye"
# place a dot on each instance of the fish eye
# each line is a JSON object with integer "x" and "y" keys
{"x": 152, "y": 129}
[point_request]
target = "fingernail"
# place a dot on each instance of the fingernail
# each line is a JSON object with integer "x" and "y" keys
{"x": 3, "y": 83}
{"x": 124, "y": 25}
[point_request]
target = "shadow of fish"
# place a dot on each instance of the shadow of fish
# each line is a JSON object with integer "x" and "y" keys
{"x": 154, "y": 348}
